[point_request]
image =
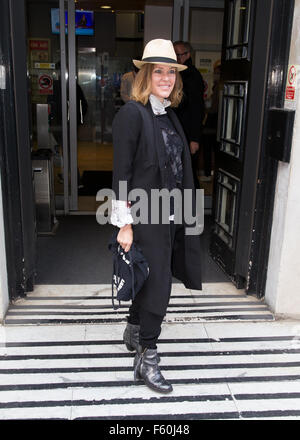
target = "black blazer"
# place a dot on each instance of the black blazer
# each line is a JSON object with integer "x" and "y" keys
{"x": 139, "y": 159}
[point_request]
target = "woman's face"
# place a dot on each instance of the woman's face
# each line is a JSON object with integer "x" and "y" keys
{"x": 162, "y": 81}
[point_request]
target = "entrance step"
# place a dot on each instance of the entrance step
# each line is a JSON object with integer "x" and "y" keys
{"x": 92, "y": 304}
{"x": 233, "y": 370}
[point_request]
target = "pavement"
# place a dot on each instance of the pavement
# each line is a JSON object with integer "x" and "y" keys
{"x": 228, "y": 368}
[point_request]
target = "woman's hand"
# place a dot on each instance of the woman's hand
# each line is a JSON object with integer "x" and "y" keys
{"x": 125, "y": 237}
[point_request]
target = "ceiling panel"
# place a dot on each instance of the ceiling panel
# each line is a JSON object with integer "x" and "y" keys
{"x": 121, "y": 5}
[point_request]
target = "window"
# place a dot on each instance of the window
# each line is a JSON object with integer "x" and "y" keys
{"x": 225, "y": 217}
{"x": 232, "y": 118}
{"x": 238, "y": 32}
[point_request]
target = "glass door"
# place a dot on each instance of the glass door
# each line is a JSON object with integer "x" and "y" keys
{"x": 47, "y": 61}
{"x": 98, "y": 84}
{"x": 96, "y": 68}
{"x": 76, "y": 75}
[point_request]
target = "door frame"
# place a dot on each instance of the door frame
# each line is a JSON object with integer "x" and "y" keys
{"x": 280, "y": 41}
{"x": 15, "y": 140}
{"x": 15, "y": 153}
{"x": 181, "y": 15}
{"x": 69, "y": 111}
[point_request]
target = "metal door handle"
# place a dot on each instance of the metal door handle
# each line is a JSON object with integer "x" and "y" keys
{"x": 2, "y": 77}
{"x": 81, "y": 116}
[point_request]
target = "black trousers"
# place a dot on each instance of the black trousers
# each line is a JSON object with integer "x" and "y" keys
{"x": 150, "y": 323}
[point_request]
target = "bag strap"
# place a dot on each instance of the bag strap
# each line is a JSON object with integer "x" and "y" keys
{"x": 115, "y": 282}
{"x": 132, "y": 273}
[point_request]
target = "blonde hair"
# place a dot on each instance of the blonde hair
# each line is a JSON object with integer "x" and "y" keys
{"x": 141, "y": 89}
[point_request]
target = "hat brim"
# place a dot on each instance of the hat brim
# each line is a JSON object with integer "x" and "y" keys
{"x": 140, "y": 63}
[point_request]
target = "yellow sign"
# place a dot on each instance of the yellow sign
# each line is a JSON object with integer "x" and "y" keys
{"x": 44, "y": 65}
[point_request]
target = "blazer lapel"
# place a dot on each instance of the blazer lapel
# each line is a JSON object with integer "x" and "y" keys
{"x": 158, "y": 142}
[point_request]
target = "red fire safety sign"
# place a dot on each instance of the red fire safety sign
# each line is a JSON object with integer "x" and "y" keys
{"x": 291, "y": 83}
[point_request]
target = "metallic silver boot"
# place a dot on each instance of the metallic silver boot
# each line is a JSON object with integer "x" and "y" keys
{"x": 146, "y": 368}
{"x": 131, "y": 336}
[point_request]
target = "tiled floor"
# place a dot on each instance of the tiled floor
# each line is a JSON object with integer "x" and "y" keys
{"x": 62, "y": 357}
{"x": 221, "y": 370}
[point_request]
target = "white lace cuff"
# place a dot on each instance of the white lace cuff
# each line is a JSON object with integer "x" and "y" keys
{"x": 120, "y": 213}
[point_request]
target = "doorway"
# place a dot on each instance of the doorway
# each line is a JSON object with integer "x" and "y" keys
{"x": 238, "y": 197}
{"x": 80, "y": 135}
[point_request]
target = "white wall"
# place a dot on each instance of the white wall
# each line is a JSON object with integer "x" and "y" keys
{"x": 283, "y": 278}
{"x": 158, "y": 22}
{"x": 127, "y": 25}
{"x": 206, "y": 27}
{"x": 4, "y": 301}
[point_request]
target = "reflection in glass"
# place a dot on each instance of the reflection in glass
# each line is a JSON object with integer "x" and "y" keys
{"x": 238, "y": 32}
{"x": 227, "y": 188}
{"x": 44, "y": 77}
{"x": 100, "y": 64}
{"x": 99, "y": 77}
{"x": 239, "y": 22}
{"x": 233, "y": 125}
{"x": 234, "y": 89}
{"x": 232, "y": 118}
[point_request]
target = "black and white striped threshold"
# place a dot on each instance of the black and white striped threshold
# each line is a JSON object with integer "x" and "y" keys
{"x": 92, "y": 304}
{"x": 232, "y": 370}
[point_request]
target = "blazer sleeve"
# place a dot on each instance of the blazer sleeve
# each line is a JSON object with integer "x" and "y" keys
{"x": 126, "y": 131}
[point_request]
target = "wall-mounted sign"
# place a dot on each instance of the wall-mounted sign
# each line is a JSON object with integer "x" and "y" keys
{"x": 292, "y": 85}
{"x": 39, "y": 49}
{"x": 45, "y": 83}
{"x": 205, "y": 61}
{"x": 44, "y": 65}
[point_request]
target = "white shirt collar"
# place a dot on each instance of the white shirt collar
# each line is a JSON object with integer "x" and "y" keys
{"x": 158, "y": 107}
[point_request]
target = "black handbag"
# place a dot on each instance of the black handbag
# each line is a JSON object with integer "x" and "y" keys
{"x": 130, "y": 271}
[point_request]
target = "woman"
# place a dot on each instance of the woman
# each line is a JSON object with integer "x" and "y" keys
{"x": 151, "y": 152}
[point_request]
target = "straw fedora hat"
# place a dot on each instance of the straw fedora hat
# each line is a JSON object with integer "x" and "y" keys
{"x": 159, "y": 52}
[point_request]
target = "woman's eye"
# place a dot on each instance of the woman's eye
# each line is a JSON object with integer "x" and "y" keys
{"x": 160, "y": 72}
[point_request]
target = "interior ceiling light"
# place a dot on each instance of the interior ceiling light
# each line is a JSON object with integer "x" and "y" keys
{"x": 106, "y": 7}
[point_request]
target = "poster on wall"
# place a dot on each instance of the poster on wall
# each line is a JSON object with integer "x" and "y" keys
{"x": 39, "y": 55}
{"x": 39, "y": 50}
{"x": 204, "y": 62}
